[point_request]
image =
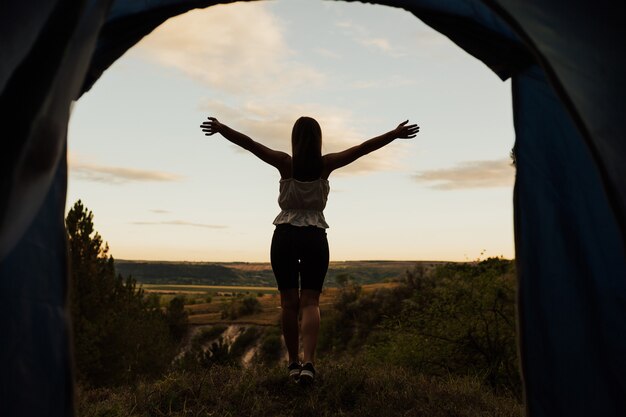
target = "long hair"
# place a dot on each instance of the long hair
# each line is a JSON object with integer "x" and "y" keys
{"x": 306, "y": 147}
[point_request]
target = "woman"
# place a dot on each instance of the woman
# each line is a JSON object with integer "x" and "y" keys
{"x": 299, "y": 251}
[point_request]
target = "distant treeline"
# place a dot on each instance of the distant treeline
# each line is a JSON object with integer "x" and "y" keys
{"x": 205, "y": 273}
{"x": 185, "y": 273}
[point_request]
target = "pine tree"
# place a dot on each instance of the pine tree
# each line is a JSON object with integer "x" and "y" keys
{"x": 92, "y": 284}
{"x": 118, "y": 333}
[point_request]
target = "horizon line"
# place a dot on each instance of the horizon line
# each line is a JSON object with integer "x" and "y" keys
{"x": 333, "y": 261}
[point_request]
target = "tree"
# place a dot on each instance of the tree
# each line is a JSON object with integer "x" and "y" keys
{"x": 177, "y": 318}
{"x": 118, "y": 333}
{"x": 92, "y": 276}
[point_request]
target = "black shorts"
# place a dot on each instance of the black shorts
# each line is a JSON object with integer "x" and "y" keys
{"x": 299, "y": 252}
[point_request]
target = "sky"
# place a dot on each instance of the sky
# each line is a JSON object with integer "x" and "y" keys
{"x": 161, "y": 190}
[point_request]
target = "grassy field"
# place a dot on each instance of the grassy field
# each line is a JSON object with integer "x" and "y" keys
{"x": 207, "y": 313}
{"x": 191, "y": 289}
{"x": 349, "y": 388}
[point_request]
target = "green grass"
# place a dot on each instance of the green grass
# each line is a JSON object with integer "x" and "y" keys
{"x": 343, "y": 388}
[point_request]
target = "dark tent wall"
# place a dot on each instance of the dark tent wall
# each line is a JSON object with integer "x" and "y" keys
{"x": 567, "y": 65}
{"x": 571, "y": 265}
{"x": 45, "y": 51}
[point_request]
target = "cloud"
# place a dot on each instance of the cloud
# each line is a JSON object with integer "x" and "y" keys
{"x": 238, "y": 48}
{"x": 472, "y": 174}
{"x": 180, "y": 223}
{"x": 428, "y": 37}
{"x": 345, "y": 24}
{"x": 422, "y": 37}
{"x": 389, "y": 82}
{"x": 362, "y": 36}
{"x": 159, "y": 211}
{"x": 115, "y": 174}
{"x": 272, "y": 124}
{"x": 327, "y": 53}
{"x": 380, "y": 43}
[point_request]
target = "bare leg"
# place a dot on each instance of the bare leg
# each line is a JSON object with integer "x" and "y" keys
{"x": 290, "y": 304}
{"x": 310, "y": 306}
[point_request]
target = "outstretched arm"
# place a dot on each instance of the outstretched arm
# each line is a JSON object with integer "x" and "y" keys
{"x": 277, "y": 159}
{"x": 333, "y": 161}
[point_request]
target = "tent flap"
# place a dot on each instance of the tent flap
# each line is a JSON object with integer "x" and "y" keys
{"x": 570, "y": 262}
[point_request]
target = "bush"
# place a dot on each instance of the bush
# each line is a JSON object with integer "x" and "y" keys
{"x": 229, "y": 310}
{"x": 460, "y": 319}
{"x": 249, "y": 305}
{"x": 244, "y": 307}
{"x": 245, "y": 341}
{"x": 207, "y": 335}
{"x": 216, "y": 354}
{"x": 355, "y": 315}
{"x": 177, "y": 318}
{"x": 271, "y": 348}
{"x": 456, "y": 318}
{"x": 222, "y": 352}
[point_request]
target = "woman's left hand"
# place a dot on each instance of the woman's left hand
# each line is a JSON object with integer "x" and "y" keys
{"x": 405, "y": 131}
{"x": 211, "y": 126}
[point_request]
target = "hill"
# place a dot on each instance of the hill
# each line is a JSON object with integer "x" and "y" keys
{"x": 255, "y": 274}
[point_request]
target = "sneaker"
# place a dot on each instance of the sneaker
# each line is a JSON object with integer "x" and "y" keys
{"x": 307, "y": 374}
{"x": 294, "y": 370}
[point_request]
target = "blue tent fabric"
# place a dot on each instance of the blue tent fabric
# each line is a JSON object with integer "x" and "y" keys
{"x": 39, "y": 84}
{"x": 501, "y": 54}
{"x": 567, "y": 66}
{"x": 36, "y": 378}
{"x": 580, "y": 47}
{"x": 571, "y": 283}
{"x": 36, "y": 100}
{"x": 20, "y": 32}
{"x": 127, "y": 23}
{"x": 25, "y": 107}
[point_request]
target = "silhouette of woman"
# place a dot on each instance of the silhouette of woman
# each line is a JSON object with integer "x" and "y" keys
{"x": 299, "y": 250}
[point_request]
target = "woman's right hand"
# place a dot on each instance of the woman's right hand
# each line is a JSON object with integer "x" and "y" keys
{"x": 404, "y": 131}
{"x": 211, "y": 126}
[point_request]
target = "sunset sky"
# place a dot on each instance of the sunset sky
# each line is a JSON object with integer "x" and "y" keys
{"x": 161, "y": 190}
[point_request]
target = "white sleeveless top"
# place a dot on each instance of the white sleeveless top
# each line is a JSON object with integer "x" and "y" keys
{"x": 303, "y": 202}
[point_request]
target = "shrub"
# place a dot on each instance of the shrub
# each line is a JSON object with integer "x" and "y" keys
{"x": 177, "y": 318}
{"x": 229, "y": 310}
{"x": 242, "y": 343}
{"x": 207, "y": 335}
{"x": 244, "y": 307}
{"x": 456, "y": 318}
{"x": 460, "y": 319}
{"x": 249, "y": 305}
{"x": 355, "y": 315}
{"x": 216, "y": 354}
{"x": 271, "y": 347}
